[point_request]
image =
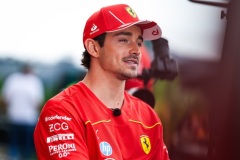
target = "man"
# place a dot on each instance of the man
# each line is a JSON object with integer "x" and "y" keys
{"x": 23, "y": 93}
{"x": 96, "y": 119}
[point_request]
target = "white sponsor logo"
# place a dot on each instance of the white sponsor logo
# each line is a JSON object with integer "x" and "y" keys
{"x": 58, "y": 126}
{"x": 94, "y": 27}
{"x": 105, "y": 148}
{"x": 60, "y": 137}
{"x": 57, "y": 117}
{"x": 63, "y": 150}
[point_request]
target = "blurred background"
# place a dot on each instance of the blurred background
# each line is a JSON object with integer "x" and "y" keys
{"x": 198, "y": 104}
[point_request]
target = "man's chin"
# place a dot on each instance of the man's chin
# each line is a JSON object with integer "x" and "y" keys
{"x": 129, "y": 76}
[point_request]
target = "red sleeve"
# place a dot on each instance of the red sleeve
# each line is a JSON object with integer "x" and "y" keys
{"x": 165, "y": 153}
{"x": 59, "y": 134}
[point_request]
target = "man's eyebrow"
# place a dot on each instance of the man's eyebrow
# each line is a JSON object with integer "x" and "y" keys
{"x": 128, "y": 34}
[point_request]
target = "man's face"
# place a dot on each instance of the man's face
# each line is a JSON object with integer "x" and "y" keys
{"x": 121, "y": 53}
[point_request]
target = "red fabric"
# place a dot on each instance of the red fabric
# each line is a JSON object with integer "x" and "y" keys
{"x": 75, "y": 125}
{"x": 116, "y": 17}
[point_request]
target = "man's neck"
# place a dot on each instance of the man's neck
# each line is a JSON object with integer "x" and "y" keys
{"x": 109, "y": 91}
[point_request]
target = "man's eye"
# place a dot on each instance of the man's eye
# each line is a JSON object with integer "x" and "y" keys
{"x": 140, "y": 44}
{"x": 123, "y": 40}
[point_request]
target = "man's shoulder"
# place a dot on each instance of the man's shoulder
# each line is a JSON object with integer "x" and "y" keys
{"x": 136, "y": 101}
{"x": 66, "y": 97}
{"x": 141, "y": 109}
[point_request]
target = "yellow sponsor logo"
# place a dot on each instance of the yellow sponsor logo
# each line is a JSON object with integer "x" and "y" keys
{"x": 131, "y": 12}
{"x": 146, "y": 144}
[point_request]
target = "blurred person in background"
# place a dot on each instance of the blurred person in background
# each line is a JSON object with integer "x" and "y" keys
{"x": 23, "y": 94}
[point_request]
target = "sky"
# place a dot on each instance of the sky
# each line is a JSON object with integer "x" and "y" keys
{"x": 49, "y": 31}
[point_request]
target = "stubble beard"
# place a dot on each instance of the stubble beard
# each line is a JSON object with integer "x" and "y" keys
{"x": 128, "y": 74}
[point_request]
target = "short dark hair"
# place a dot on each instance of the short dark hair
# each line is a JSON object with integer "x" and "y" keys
{"x": 86, "y": 56}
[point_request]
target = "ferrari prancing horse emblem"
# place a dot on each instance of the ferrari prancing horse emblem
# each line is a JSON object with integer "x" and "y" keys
{"x": 131, "y": 12}
{"x": 146, "y": 144}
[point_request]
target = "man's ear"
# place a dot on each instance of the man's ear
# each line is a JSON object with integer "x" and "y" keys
{"x": 92, "y": 47}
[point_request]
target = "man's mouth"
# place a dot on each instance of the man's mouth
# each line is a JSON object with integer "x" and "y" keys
{"x": 131, "y": 60}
